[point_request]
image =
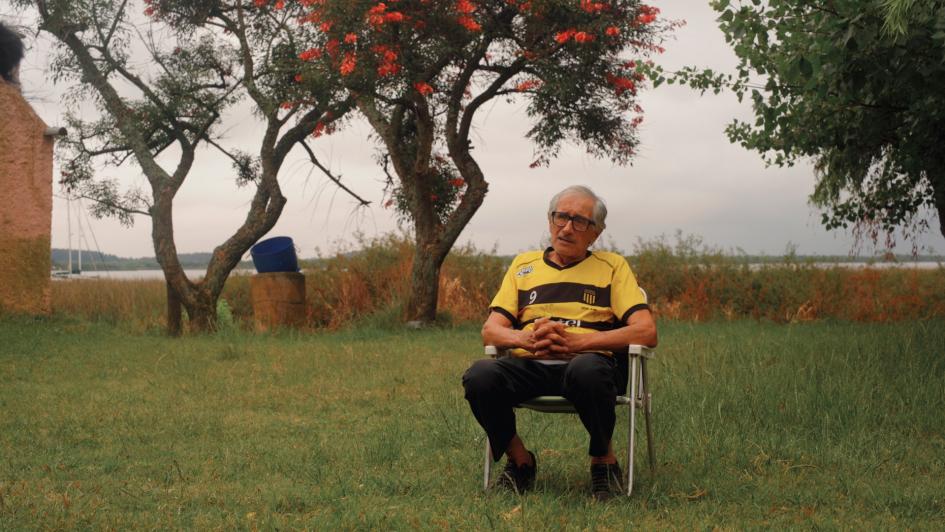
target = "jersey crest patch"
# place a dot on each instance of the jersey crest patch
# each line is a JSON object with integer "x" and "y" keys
{"x": 590, "y": 296}
{"x": 524, "y": 270}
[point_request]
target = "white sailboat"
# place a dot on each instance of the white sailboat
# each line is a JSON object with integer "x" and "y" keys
{"x": 74, "y": 269}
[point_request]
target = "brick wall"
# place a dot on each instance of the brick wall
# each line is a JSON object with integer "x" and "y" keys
{"x": 25, "y": 206}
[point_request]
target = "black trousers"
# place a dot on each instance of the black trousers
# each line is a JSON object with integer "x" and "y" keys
{"x": 494, "y": 386}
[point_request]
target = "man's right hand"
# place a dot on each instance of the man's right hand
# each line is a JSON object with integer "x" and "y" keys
{"x": 535, "y": 340}
{"x": 542, "y": 339}
{"x": 548, "y": 332}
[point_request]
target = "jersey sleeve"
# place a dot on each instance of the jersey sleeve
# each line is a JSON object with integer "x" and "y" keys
{"x": 626, "y": 297}
{"x": 505, "y": 301}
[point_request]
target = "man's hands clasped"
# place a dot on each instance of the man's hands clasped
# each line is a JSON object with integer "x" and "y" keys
{"x": 550, "y": 339}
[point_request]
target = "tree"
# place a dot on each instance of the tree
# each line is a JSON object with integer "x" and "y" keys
{"x": 161, "y": 82}
{"x": 421, "y": 70}
{"x": 899, "y": 14}
{"x": 857, "y": 87}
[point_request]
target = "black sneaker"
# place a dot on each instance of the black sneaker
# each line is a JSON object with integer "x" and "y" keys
{"x": 518, "y": 479}
{"x": 606, "y": 481}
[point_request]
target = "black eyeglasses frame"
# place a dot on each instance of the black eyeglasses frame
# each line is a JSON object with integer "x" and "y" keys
{"x": 579, "y": 223}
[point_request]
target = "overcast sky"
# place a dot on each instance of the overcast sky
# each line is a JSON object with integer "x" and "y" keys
{"x": 687, "y": 177}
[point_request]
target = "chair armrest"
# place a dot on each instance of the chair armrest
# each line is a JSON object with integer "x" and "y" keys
{"x": 637, "y": 350}
{"x": 495, "y": 352}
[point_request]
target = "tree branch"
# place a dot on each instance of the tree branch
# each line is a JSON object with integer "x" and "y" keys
{"x": 328, "y": 173}
{"x": 114, "y": 206}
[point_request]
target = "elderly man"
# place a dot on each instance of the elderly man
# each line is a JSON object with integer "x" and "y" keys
{"x": 561, "y": 313}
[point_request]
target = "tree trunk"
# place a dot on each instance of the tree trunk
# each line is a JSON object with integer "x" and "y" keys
{"x": 435, "y": 240}
{"x": 202, "y": 313}
{"x": 173, "y": 312}
{"x": 425, "y": 283}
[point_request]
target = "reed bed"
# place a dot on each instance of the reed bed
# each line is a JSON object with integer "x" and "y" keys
{"x": 685, "y": 282}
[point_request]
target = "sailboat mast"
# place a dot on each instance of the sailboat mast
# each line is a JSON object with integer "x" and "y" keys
{"x": 69, "y": 225}
{"x": 80, "y": 238}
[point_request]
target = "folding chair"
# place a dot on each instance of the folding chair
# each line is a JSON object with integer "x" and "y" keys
{"x": 639, "y": 397}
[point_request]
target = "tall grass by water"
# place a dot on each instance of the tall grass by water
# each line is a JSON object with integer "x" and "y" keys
{"x": 822, "y": 424}
{"x": 686, "y": 281}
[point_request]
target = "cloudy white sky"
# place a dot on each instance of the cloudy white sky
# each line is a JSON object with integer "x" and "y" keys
{"x": 687, "y": 177}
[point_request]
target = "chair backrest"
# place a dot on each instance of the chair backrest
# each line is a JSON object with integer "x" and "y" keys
{"x": 622, "y": 356}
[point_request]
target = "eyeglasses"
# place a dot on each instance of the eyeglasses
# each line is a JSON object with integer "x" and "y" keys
{"x": 579, "y": 223}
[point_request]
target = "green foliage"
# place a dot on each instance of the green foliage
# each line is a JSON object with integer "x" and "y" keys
{"x": 757, "y": 426}
{"x": 225, "y": 321}
{"x": 446, "y": 190}
{"x": 857, "y": 92}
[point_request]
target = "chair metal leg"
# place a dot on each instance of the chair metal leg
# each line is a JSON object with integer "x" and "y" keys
{"x": 632, "y": 428}
{"x": 486, "y": 469}
{"x": 647, "y": 407}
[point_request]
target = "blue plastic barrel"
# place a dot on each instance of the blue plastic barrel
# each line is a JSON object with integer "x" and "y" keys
{"x": 276, "y": 254}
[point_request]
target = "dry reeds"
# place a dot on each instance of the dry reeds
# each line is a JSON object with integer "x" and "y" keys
{"x": 684, "y": 283}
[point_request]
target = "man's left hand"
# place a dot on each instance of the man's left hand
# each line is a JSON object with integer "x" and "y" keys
{"x": 563, "y": 343}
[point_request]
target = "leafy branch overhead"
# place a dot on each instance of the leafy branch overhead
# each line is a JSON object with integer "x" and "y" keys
{"x": 421, "y": 70}
{"x": 179, "y": 68}
{"x": 853, "y": 85}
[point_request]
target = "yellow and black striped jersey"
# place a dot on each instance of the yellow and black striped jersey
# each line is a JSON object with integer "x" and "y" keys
{"x": 598, "y": 293}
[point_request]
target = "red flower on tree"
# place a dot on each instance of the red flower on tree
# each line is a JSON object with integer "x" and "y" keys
{"x": 423, "y": 88}
{"x": 564, "y": 36}
{"x": 646, "y": 15}
{"x": 465, "y": 7}
{"x": 469, "y": 23}
{"x": 348, "y": 64}
{"x": 528, "y": 85}
{"x": 592, "y": 7}
{"x": 375, "y": 15}
{"x": 311, "y": 53}
{"x": 388, "y": 60}
{"x": 332, "y": 47}
{"x": 621, "y": 84}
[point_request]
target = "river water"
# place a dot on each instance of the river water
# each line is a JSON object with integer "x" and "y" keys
{"x": 196, "y": 274}
{"x": 129, "y": 275}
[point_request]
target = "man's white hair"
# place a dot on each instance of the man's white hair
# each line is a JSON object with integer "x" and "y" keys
{"x": 600, "y": 209}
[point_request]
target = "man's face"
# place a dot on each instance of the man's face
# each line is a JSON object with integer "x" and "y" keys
{"x": 568, "y": 243}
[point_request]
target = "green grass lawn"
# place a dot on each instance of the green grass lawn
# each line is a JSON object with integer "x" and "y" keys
{"x": 832, "y": 425}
